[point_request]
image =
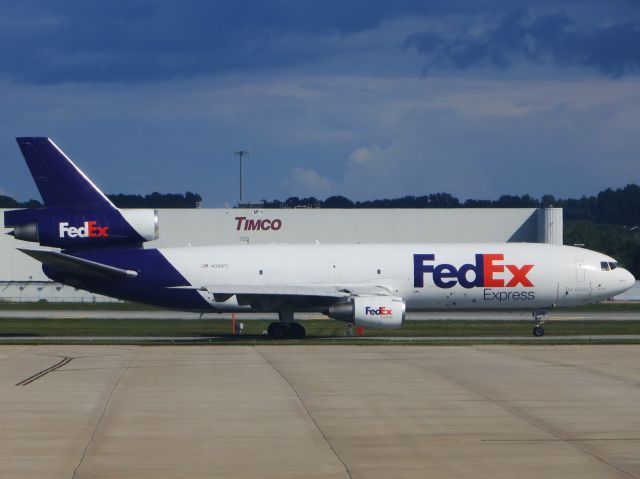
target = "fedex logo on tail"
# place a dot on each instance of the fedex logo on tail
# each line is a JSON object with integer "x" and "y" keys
{"x": 488, "y": 271}
{"x": 90, "y": 229}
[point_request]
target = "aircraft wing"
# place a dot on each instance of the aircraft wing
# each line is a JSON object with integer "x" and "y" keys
{"x": 292, "y": 291}
{"x": 72, "y": 264}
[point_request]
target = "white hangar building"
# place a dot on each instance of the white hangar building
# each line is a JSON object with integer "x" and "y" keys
{"x": 21, "y": 277}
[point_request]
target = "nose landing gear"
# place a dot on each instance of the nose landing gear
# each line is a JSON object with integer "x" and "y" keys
{"x": 538, "y": 318}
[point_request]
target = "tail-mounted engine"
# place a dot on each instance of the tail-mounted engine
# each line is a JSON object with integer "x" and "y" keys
{"x": 64, "y": 227}
{"x": 381, "y": 312}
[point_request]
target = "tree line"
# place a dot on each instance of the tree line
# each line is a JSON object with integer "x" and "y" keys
{"x": 152, "y": 200}
{"x": 620, "y": 206}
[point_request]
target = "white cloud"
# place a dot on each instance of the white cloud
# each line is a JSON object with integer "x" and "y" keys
{"x": 361, "y": 155}
{"x": 308, "y": 182}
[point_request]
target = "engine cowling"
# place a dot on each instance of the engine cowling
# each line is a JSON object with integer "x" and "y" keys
{"x": 145, "y": 222}
{"x": 378, "y": 312}
{"x": 76, "y": 228}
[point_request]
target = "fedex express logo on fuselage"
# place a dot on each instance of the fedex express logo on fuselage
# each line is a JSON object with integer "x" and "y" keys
{"x": 488, "y": 271}
{"x": 90, "y": 229}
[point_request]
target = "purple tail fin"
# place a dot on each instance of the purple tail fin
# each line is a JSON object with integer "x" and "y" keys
{"x": 59, "y": 180}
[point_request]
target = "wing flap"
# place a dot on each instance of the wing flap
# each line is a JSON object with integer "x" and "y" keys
{"x": 74, "y": 265}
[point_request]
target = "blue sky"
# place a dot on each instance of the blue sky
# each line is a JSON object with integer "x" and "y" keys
{"x": 362, "y": 99}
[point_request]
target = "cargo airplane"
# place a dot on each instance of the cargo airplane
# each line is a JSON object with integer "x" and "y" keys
{"x": 99, "y": 248}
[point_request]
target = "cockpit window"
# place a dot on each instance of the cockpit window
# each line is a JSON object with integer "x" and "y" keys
{"x": 609, "y": 265}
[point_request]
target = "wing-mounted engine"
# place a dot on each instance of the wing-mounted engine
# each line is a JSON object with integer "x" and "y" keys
{"x": 66, "y": 228}
{"x": 380, "y": 312}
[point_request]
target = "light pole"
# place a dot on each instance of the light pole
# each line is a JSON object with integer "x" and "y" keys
{"x": 241, "y": 153}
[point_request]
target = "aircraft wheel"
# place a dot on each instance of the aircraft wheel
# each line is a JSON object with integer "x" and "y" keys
{"x": 277, "y": 330}
{"x": 296, "y": 331}
{"x": 538, "y": 331}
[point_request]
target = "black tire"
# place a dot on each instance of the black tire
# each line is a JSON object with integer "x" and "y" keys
{"x": 277, "y": 330}
{"x": 538, "y": 331}
{"x": 297, "y": 331}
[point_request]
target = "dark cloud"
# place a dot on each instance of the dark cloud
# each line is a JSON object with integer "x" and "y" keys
{"x": 149, "y": 40}
{"x": 81, "y": 40}
{"x": 613, "y": 49}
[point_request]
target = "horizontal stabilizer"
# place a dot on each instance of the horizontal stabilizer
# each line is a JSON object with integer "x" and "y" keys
{"x": 74, "y": 265}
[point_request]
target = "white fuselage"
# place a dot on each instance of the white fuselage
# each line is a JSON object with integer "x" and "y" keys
{"x": 482, "y": 276}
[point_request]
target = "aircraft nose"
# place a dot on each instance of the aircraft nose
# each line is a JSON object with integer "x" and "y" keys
{"x": 624, "y": 281}
{"x": 629, "y": 278}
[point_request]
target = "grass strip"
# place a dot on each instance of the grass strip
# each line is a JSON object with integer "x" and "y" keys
{"x": 202, "y": 328}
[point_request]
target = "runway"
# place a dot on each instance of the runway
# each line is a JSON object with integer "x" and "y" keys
{"x": 320, "y": 412}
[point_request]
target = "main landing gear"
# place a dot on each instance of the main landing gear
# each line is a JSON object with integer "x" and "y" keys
{"x": 278, "y": 330}
{"x": 286, "y": 327}
{"x": 538, "y": 318}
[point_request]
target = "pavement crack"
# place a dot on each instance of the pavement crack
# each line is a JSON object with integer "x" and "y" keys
{"x": 313, "y": 419}
{"x": 104, "y": 410}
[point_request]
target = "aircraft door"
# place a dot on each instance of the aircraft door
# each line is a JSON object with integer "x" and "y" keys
{"x": 578, "y": 291}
